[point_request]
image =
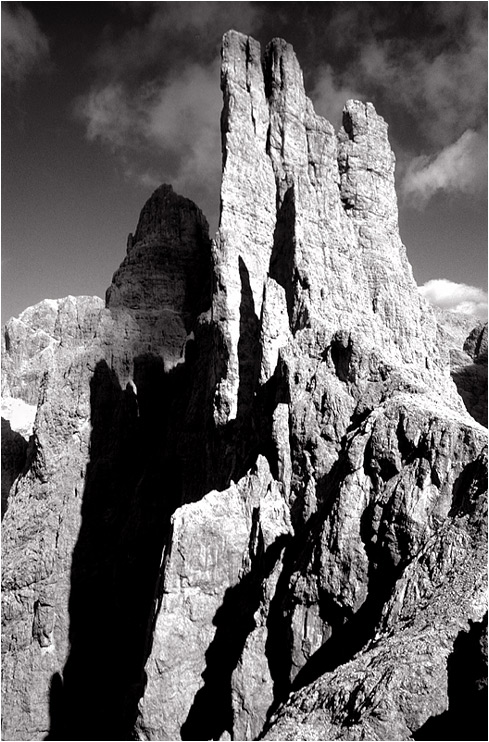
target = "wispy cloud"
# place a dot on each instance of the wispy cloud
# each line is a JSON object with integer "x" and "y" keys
{"x": 443, "y": 91}
{"x": 110, "y": 115}
{"x": 329, "y": 95}
{"x": 24, "y": 46}
{"x": 459, "y": 167}
{"x": 456, "y": 297}
{"x": 151, "y": 97}
{"x": 178, "y": 121}
{"x": 206, "y": 17}
{"x": 437, "y": 74}
{"x": 430, "y": 85}
{"x": 163, "y": 33}
{"x": 185, "y": 124}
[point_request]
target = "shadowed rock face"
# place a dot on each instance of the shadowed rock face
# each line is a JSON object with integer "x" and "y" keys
{"x": 164, "y": 281}
{"x": 471, "y": 378}
{"x": 100, "y": 476}
{"x": 467, "y": 347}
{"x": 252, "y": 504}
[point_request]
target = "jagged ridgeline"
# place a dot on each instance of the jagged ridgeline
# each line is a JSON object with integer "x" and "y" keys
{"x": 243, "y": 497}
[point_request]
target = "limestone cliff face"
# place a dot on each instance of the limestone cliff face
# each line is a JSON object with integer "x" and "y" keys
{"x": 251, "y": 502}
{"x": 314, "y": 213}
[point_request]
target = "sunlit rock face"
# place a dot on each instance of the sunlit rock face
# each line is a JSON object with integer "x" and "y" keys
{"x": 315, "y": 212}
{"x": 323, "y": 335}
{"x": 246, "y": 498}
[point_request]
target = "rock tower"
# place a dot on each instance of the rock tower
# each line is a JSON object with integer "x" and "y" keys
{"x": 246, "y": 498}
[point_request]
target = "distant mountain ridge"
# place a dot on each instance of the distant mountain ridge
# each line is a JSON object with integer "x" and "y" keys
{"x": 246, "y": 499}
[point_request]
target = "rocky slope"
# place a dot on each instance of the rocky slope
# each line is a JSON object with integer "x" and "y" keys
{"x": 251, "y": 503}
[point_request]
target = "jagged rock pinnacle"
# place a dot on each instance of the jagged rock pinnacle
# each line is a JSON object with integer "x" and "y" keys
{"x": 316, "y": 213}
{"x": 246, "y": 499}
{"x": 164, "y": 281}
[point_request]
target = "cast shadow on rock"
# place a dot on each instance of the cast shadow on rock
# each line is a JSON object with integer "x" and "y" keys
{"x": 211, "y": 713}
{"x": 349, "y": 630}
{"x": 236, "y": 448}
{"x": 132, "y": 487}
{"x": 466, "y": 717}
{"x": 283, "y": 252}
{"x": 151, "y": 452}
{"x": 17, "y": 456}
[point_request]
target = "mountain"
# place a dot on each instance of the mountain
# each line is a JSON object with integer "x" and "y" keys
{"x": 247, "y": 500}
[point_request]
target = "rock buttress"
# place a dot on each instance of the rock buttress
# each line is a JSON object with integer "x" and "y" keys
{"x": 315, "y": 213}
{"x": 466, "y": 345}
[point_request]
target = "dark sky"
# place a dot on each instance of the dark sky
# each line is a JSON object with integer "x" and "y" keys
{"x": 103, "y": 101}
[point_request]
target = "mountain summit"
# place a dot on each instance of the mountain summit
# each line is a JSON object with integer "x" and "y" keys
{"x": 246, "y": 499}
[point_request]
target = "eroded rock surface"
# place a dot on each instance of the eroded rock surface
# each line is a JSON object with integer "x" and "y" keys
{"x": 252, "y": 502}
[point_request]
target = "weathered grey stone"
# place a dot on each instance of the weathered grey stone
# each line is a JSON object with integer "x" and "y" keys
{"x": 369, "y": 437}
{"x": 391, "y": 688}
{"x": 311, "y": 213}
{"x": 252, "y": 497}
{"x": 476, "y": 344}
{"x": 211, "y": 586}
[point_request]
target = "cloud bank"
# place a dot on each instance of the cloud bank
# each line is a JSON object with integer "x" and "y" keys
{"x": 456, "y": 297}
{"x": 24, "y": 46}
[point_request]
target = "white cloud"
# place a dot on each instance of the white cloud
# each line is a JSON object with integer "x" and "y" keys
{"x": 165, "y": 33}
{"x": 441, "y": 90}
{"x": 109, "y": 115}
{"x": 184, "y": 122}
{"x": 24, "y": 46}
{"x": 137, "y": 101}
{"x": 459, "y": 167}
{"x": 456, "y": 297}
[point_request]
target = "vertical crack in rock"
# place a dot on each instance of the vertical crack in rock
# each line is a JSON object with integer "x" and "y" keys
{"x": 282, "y": 257}
{"x": 251, "y": 504}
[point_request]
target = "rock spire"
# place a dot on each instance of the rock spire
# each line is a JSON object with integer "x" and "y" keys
{"x": 246, "y": 498}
